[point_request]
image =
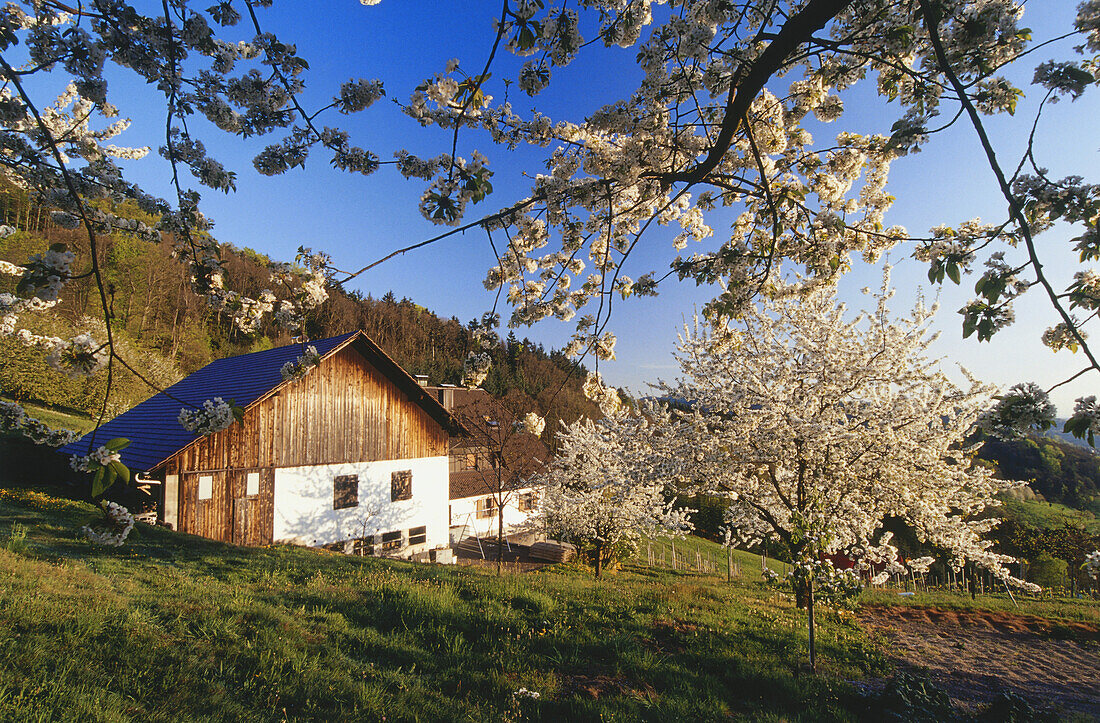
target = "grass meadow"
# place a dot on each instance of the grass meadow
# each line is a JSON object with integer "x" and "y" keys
{"x": 174, "y": 627}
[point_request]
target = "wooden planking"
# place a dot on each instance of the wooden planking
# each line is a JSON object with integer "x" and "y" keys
{"x": 344, "y": 411}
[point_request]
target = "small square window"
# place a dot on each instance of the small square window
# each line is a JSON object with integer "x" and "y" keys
{"x": 364, "y": 546}
{"x": 527, "y": 501}
{"x": 401, "y": 485}
{"x": 206, "y": 487}
{"x": 418, "y": 535}
{"x": 252, "y": 484}
{"x": 345, "y": 491}
{"x": 487, "y": 507}
{"x": 391, "y": 540}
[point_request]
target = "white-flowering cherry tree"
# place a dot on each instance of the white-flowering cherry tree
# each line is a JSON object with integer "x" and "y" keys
{"x": 608, "y": 486}
{"x": 819, "y": 428}
{"x": 722, "y": 121}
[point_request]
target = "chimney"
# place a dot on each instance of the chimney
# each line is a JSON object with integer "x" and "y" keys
{"x": 421, "y": 379}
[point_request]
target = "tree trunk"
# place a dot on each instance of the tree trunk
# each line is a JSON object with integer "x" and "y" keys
{"x": 599, "y": 558}
{"x": 500, "y": 536}
{"x": 813, "y": 642}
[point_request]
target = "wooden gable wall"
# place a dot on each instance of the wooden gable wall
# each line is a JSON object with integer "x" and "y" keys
{"x": 345, "y": 410}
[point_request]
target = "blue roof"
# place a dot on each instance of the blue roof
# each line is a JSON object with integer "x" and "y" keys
{"x": 152, "y": 427}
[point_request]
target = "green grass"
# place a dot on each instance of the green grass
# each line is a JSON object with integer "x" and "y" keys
{"x": 1043, "y": 605}
{"x": 174, "y": 627}
{"x": 1045, "y": 515}
{"x": 65, "y": 418}
{"x": 691, "y": 551}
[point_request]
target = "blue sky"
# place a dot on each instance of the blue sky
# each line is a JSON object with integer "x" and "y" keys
{"x": 359, "y": 219}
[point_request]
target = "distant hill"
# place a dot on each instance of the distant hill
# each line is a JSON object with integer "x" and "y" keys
{"x": 1056, "y": 432}
{"x": 1059, "y": 471}
{"x": 167, "y": 331}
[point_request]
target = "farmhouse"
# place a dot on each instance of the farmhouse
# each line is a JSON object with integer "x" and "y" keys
{"x": 355, "y": 452}
{"x": 491, "y": 465}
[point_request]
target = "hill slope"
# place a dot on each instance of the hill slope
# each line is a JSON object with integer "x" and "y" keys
{"x": 174, "y": 627}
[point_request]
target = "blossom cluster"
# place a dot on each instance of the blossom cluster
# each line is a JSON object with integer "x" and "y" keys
{"x": 475, "y": 369}
{"x": 300, "y": 367}
{"x": 606, "y": 397}
{"x": 1092, "y": 564}
{"x": 94, "y": 460}
{"x": 14, "y": 419}
{"x": 214, "y": 416}
{"x": 531, "y": 423}
{"x": 113, "y": 532}
{"x": 79, "y": 356}
{"x": 1023, "y": 407}
{"x": 796, "y": 422}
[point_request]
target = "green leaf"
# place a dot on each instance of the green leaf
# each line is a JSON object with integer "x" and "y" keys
{"x": 98, "y": 487}
{"x": 117, "y": 443}
{"x": 953, "y": 271}
{"x": 121, "y": 471}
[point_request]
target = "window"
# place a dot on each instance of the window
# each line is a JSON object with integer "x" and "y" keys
{"x": 391, "y": 540}
{"x": 206, "y": 487}
{"x": 486, "y": 507}
{"x": 252, "y": 484}
{"x": 401, "y": 485}
{"x": 345, "y": 491}
{"x": 418, "y": 535}
{"x": 527, "y": 501}
{"x": 471, "y": 460}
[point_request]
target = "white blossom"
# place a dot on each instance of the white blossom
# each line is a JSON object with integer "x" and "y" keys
{"x": 475, "y": 369}
{"x": 607, "y": 485}
{"x": 817, "y": 428}
{"x": 303, "y": 365}
{"x": 214, "y": 416}
{"x": 114, "y": 531}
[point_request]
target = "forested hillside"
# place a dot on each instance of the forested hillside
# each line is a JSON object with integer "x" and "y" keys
{"x": 167, "y": 331}
{"x": 1060, "y": 472}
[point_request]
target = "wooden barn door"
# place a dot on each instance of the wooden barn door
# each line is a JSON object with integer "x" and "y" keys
{"x": 204, "y": 505}
{"x": 252, "y": 513}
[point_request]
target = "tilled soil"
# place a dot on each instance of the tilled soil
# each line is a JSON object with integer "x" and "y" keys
{"x": 976, "y": 654}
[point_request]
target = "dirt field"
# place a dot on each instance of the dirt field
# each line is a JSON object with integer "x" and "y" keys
{"x": 975, "y": 654}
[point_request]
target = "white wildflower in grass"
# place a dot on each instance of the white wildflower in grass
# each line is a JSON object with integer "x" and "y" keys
{"x": 214, "y": 416}
{"x": 303, "y": 365}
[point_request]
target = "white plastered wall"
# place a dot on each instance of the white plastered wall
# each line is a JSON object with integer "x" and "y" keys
{"x": 304, "y": 501}
{"x": 464, "y": 512}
